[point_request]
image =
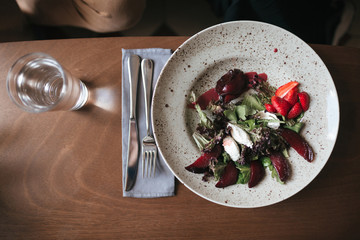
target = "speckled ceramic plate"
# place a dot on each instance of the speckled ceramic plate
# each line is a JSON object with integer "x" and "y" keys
{"x": 250, "y": 46}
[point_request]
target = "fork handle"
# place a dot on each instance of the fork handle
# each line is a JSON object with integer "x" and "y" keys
{"x": 147, "y": 67}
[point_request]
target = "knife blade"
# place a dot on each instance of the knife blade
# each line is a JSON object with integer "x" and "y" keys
{"x": 133, "y": 150}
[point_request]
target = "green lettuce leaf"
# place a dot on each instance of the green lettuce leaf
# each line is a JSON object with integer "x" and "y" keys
{"x": 200, "y": 140}
{"x": 248, "y": 125}
{"x": 244, "y": 173}
{"x": 204, "y": 120}
{"x": 296, "y": 127}
{"x": 218, "y": 170}
{"x": 226, "y": 157}
{"x": 253, "y": 102}
{"x": 243, "y": 111}
{"x": 231, "y": 115}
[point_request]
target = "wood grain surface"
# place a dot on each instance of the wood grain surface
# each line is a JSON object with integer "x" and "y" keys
{"x": 60, "y": 172}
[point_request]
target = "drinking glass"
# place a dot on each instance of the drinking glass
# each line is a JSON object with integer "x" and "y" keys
{"x": 38, "y": 83}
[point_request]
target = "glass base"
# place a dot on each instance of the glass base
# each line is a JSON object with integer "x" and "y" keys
{"x": 83, "y": 98}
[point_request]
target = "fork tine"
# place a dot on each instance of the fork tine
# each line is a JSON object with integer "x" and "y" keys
{"x": 150, "y": 163}
{"x": 147, "y": 164}
{"x": 143, "y": 163}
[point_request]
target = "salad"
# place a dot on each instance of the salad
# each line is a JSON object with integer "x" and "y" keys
{"x": 246, "y": 126}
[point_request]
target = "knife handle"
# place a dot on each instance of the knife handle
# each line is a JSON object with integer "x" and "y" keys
{"x": 147, "y": 76}
{"x": 133, "y": 65}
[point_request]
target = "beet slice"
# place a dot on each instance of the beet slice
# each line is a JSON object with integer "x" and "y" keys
{"x": 257, "y": 172}
{"x": 298, "y": 143}
{"x": 229, "y": 177}
{"x": 281, "y": 165}
{"x": 234, "y": 82}
{"x": 201, "y": 164}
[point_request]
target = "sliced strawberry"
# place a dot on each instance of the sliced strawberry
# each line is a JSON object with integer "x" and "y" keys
{"x": 280, "y": 105}
{"x": 281, "y": 165}
{"x": 298, "y": 143}
{"x": 207, "y": 97}
{"x": 295, "y": 111}
{"x": 304, "y": 100}
{"x": 202, "y": 163}
{"x": 257, "y": 172}
{"x": 270, "y": 108}
{"x": 292, "y": 96}
{"x": 229, "y": 177}
{"x": 284, "y": 89}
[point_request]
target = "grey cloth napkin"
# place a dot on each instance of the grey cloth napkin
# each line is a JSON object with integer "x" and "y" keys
{"x": 163, "y": 184}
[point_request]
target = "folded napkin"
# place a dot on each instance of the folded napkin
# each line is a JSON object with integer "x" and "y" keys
{"x": 163, "y": 184}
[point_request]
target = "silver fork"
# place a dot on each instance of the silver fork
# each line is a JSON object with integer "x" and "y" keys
{"x": 149, "y": 149}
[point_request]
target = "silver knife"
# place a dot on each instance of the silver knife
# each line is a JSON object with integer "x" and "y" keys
{"x": 133, "y": 150}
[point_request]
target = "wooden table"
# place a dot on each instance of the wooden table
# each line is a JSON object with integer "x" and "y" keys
{"x": 60, "y": 172}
